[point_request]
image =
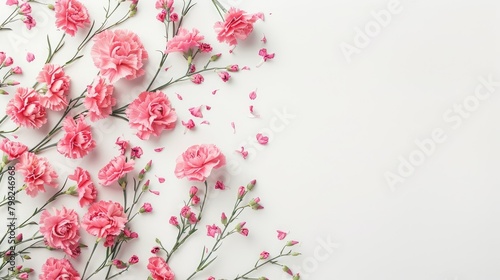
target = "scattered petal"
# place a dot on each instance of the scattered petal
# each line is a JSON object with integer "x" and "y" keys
{"x": 252, "y": 95}
{"x": 245, "y": 68}
{"x": 234, "y": 127}
{"x": 242, "y": 152}
{"x": 219, "y": 185}
{"x": 154, "y": 192}
{"x": 260, "y": 16}
{"x": 205, "y": 122}
{"x": 166, "y": 68}
{"x": 263, "y": 140}
{"x": 265, "y": 56}
{"x": 159, "y": 149}
{"x": 214, "y": 91}
{"x": 254, "y": 114}
{"x": 179, "y": 96}
{"x": 160, "y": 179}
{"x": 189, "y": 125}
{"x": 196, "y": 112}
{"x": 208, "y": 107}
{"x": 264, "y": 39}
{"x": 30, "y": 57}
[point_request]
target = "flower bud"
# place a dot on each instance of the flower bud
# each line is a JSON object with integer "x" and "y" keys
{"x": 291, "y": 243}
{"x": 148, "y": 165}
{"x": 296, "y": 277}
{"x": 18, "y": 238}
{"x": 251, "y": 185}
{"x": 215, "y": 57}
{"x": 241, "y": 192}
{"x": 51, "y": 7}
{"x": 3, "y": 92}
{"x": 193, "y": 191}
{"x": 145, "y": 187}
{"x": 72, "y": 191}
{"x": 287, "y": 270}
{"x": 223, "y": 218}
{"x": 233, "y": 68}
{"x": 119, "y": 264}
{"x": 133, "y": 260}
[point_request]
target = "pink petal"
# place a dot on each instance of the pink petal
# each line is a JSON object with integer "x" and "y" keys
{"x": 264, "y": 39}
{"x": 159, "y": 149}
{"x": 242, "y": 152}
{"x": 208, "y": 107}
{"x": 234, "y": 127}
{"x": 205, "y": 122}
{"x": 196, "y": 112}
{"x": 179, "y": 96}
{"x": 154, "y": 192}
{"x": 160, "y": 179}
{"x": 260, "y": 16}
{"x": 214, "y": 91}
{"x": 262, "y": 139}
{"x": 245, "y": 68}
{"x": 252, "y": 95}
{"x": 30, "y": 57}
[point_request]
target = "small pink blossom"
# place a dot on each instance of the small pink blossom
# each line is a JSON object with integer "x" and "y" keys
{"x": 184, "y": 41}
{"x": 159, "y": 269}
{"x": 155, "y": 250}
{"x": 136, "y": 152}
{"x": 77, "y": 141}
{"x": 8, "y": 61}
{"x": 119, "y": 264}
{"x": 174, "y": 17}
{"x": 192, "y": 68}
{"x": 212, "y": 230}
{"x": 197, "y": 79}
{"x": 192, "y": 218}
{"x": 29, "y": 57}
{"x": 193, "y": 191}
{"x": 264, "y": 255}
{"x": 119, "y": 54}
{"x": 219, "y": 185}
{"x": 13, "y": 150}
{"x": 224, "y": 76}
{"x": 37, "y": 172}
{"x": 195, "y": 200}
{"x": 57, "y": 87}
{"x": 25, "y": 8}
{"x": 133, "y": 259}
{"x": 281, "y": 234}
{"x": 151, "y": 113}
{"x": 173, "y": 221}
{"x": 87, "y": 192}
{"x": 104, "y": 218}
{"x": 161, "y": 15}
{"x": 196, "y": 111}
{"x": 29, "y": 21}
{"x": 185, "y": 211}
{"x": 198, "y": 161}
{"x": 122, "y": 145}
{"x": 237, "y": 25}
{"x": 233, "y": 68}
{"x": 71, "y": 15}
{"x": 17, "y": 70}
{"x": 61, "y": 229}
{"x": 58, "y": 269}
{"x": 204, "y": 47}
{"x": 99, "y": 99}
{"x": 114, "y": 170}
{"x": 263, "y": 140}
{"x": 146, "y": 207}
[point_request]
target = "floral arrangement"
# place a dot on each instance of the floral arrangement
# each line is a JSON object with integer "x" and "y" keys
{"x": 80, "y": 226}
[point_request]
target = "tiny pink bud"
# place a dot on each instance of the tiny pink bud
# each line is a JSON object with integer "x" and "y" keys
{"x": 219, "y": 185}
{"x": 18, "y": 238}
{"x": 155, "y": 250}
{"x": 223, "y": 218}
{"x": 264, "y": 255}
{"x": 241, "y": 192}
{"x": 23, "y": 275}
{"x": 287, "y": 270}
{"x": 195, "y": 200}
{"x": 174, "y": 17}
{"x": 233, "y": 68}
{"x": 224, "y": 76}
{"x": 173, "y": 221}
{"x": 292, "y": 243}
{"x": 119, "y": 264}
{"x": 251, "y": 185}
{"x": 17, "y": 70}
{"x": 146, "y": 207}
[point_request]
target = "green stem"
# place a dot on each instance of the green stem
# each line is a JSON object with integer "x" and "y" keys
{"x": 88, "y": 261}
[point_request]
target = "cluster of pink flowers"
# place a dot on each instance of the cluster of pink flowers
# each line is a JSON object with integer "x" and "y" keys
{"x": 24, "y": 9}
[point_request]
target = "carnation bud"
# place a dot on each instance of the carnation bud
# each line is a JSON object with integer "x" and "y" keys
{"x": 263, "y": 278}
{"x": 146, "y": 207}
{"x": 50, "y": 6}
{"x": 12, "y": 83}
{"x": 145, "y": 187}
{"x": 239, "y": 226}
{"x": 8, "y": 61}
{"x": 296, "y": 277}
{"x": 254, "y": 203}
{"x": 294, "y": 254}
{"x": 72, "y": 191}
{"x": 27, "y": 270}
{"x": 26, "y": 257}
{"x": 148, "y": 165}
{"x": 291, "y": 243}
{"x": 3, "y": 92}
{"x": 287, "y": 270}
{"x": 193, "y": 191}
{"x": 133, "y": 260}
{"x": 5, "y": 159}
{"x": 223, "y": 218}
{"x": 215, "y": 57}
{"x": 18, "y": 238}
{"x": 23, "y": 275}
{"x": 241, "y": 192}
{"x": 141, "y": 174}
{"x": 119, "y": 264}
{"x": 251, "y": 185}
{"x": 17, "y": 70}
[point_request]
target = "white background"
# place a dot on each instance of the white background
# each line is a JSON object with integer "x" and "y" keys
{"x": 322, "y": 176}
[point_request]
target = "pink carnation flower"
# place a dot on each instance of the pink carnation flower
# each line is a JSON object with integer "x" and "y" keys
{"x": 58, "y": 269}
{"x": 159, "y": 269}
{"x": 26, "y": 110}
{"x": 61, "y": 230}
{"x": 57, "y": 83}
{"x": 99, "y": 100}
{"x": 119, "y": 54}
{"x": 237, "y": 25}
{"x": 87, "y": 192}
{"x": 37, "y": 172}
{"x": 150, "y": 114}
{"x": 71, "y": 15}
{"x": 115, "y": 169}
{"x": 78, "y": 141}
{"x": 12, "y": 149}
{"x": 104, "y": 218}
{"x": 197, "y": 162}
{"x": 184, "y": 40}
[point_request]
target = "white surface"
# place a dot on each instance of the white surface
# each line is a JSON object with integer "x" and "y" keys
{"x": 322, "y": 175}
